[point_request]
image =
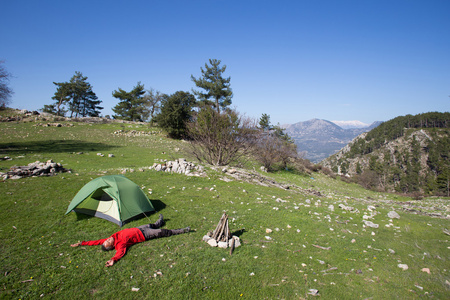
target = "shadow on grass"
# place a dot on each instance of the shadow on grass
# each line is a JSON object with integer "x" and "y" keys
{"x": 158, "y": 205}
{"x": 81, "y": 216}
{"x": 238, "y": 233}
{"x": 52, "y": 146}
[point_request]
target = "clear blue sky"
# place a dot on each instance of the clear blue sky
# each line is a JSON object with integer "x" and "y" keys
{"x": 294, "y": 60}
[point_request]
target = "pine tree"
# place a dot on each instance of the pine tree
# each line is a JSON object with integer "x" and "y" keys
{"x": 62, "y": 96}
{"x": 78, "y": 95}
{"x": 131, "y": 106}
{"x": 264, "y": 122}
{"x": 216, "y": 87}
{"x": 176, "y": 111}
{"x": 84, "y": 101}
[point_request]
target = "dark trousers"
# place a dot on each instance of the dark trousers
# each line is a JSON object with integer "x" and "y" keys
{"x": 152, "y": 231}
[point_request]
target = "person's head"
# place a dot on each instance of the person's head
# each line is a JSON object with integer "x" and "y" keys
{"x": 108, "y": 244}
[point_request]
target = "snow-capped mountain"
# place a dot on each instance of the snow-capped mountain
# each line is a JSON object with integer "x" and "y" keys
{"x": 351, "y": 124}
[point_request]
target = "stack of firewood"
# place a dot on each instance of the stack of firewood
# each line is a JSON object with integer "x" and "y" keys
{"x": 221, "y": 236}
{"x": 222, "y": 231}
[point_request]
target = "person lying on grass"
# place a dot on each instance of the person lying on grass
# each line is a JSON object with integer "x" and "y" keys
{"x": 125, "y": 238}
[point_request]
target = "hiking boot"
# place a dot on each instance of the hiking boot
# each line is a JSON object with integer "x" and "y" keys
{"x": 159, "y": 223}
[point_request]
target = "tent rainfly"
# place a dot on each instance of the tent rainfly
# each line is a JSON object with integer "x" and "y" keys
{"x": 113, "y": 197}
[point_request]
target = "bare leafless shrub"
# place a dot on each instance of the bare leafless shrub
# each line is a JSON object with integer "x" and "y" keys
{"x": 368, "y": 179}
{"x": 275, "y": 149}
{"x": 328, "y": 172}
{"x": 267, "y": 150}
{"x": 220, "y": 138}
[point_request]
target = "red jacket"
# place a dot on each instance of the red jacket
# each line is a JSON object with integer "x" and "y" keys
{"x": 122, "y": 240}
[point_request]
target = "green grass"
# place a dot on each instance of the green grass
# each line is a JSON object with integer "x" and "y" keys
{"x": 36, "y": 259}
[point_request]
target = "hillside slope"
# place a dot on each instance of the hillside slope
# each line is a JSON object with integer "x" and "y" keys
{"x": 405, "y": 154}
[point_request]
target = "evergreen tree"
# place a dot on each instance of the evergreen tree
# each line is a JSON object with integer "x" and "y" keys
{"x": 176, "y": 111}
{"x": 84, "y": 101}
{"x": 264, "y": 122}
{"x": 78, "y": 95}
{"x": 216, "y": 87}
{"x": 443, "y": 182}
{"x": 62, "y": 96}
{"x": 131, "y": 106}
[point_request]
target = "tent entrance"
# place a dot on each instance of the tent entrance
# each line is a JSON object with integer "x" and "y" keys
{"x": 100, "y": 204}
{"x": 101, "y": 195}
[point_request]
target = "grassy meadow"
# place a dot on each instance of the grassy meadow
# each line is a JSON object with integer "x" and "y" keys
{"x": 312, "y": 246}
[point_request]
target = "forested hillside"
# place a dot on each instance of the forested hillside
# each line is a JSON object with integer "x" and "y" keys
{"x": 406, "y": 154}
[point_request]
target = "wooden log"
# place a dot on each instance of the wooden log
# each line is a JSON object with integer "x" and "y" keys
{"x": 227, "y": 231}
{"x": 218, "y": 228}
{"x": 223, "y": 227}
{"x": 231, "y": 245}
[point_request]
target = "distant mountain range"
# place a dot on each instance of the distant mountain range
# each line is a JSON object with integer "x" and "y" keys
{"x": 317, "y": 139}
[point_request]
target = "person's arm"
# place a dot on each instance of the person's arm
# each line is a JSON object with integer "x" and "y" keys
{"x": 121, "y": 249}
{"x": 93, "y": 243}
{"x": 89, "y": 243}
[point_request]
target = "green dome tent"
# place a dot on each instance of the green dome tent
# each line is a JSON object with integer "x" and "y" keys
{"x": 113, "y": 197}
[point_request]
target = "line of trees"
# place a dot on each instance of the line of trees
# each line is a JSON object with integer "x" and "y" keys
{"x": 217, "y": 134}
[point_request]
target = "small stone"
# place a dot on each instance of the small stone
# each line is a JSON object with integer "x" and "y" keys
{"x": 268, "y": 230}
{"x": 223, "y": 245}
{"x": 393, "y": 215}
{"x": 212, "y": 243}
{"x": 403, "y": 266}
{"x": 426, "y": 270}
{"x": 237, "y": 241}
{"x": 371, "y": 224}
{"x": 206, "y": 238}
{"x": 135, "y": 289}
